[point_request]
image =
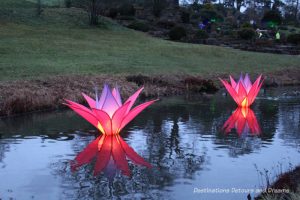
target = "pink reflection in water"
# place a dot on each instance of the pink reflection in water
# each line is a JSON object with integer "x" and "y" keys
{"x": 111, "y": 153}
{"x": 244, "y": 121}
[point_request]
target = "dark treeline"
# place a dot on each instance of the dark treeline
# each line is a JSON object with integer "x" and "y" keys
{"x": 288, "y": 10}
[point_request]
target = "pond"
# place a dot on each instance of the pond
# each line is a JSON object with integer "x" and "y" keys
{"x": 181, "y": 137}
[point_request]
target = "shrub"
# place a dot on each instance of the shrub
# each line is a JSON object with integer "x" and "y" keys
{"x": 285, "y": 28}
{"x": 177, "y": 33}
{"x": 157, "y": 7}
{"x": 124, "y": 17}
{"x": 165, "y": 23}
{"x": 272, "y": 17}
{"x": 139, "y": 26}
{"x": 68, "y": 3}
{"x": 294, "y": 38}
{"x": 113, "y": 13}
{"x": 246, "y": 33}
{"x": 127, "y": 10}
{"x": 246, "y": 25}
{"x": 185, "y": 16}
{"x": 201, "y": 34}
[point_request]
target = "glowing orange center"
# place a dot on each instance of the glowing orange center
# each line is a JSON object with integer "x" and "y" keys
{"x": 244, "y": 102}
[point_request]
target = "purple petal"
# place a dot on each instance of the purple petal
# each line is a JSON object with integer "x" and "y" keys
{"x": 103, "y": 96}
{"x": 247, "y": 83}
{"x": 110, "y": 104}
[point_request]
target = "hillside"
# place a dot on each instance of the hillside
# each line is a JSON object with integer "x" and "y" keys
{"x": 60, "y": 42}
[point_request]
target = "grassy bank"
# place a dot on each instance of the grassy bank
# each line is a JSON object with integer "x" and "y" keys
{"x": 289, "y": 181}
{"x": 60, "y": 42}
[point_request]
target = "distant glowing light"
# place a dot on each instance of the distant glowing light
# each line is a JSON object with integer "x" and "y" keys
{"x": 107, "y": 113}
{"x": 243, "y": 92}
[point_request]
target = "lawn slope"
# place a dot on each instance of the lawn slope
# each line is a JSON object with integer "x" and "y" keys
{"x": 60, "y": 42}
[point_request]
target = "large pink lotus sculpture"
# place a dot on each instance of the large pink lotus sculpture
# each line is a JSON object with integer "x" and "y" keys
{"x": 243, "y": 92}
{"x": 244, "y": 121}
{"x": 110, "y": 153}
{"x": 108, "y": 114}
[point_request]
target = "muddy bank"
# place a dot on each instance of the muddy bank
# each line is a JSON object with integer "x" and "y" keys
{"x": 48, "y": 93}
{"x": 285, "y": 187}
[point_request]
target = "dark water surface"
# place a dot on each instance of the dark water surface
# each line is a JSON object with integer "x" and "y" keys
{"x": 181, "y": 137}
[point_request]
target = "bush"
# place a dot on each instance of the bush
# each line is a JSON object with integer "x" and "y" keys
{"x": 165, "y": 23}
{"x": 68, "y": 3}
{"x": 113, "y": 13}
{"x": 246, "y": 25}
{"x": 158, "y": 7}
{"x": 246, "y": 33}
{"x": 127, "y": 10}
{"x": 201, "y": 34}
{"x": 285, "y": 28}
{"x": 139, "y": 26}
{"x": 177, "y": 33}
{"x": 294, "y": 38}
{"x": 124, "y": 17}
{"x": 272, "y": 17}
{"x": 185, "y": 17}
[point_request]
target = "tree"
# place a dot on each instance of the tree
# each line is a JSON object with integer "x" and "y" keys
{"x": 95, "y": 7}
{"x": 291, "y": 10}
{"x": 39, "y": 8}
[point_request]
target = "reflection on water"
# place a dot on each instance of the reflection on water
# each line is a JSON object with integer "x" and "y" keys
{"x": 244, "y": 121}
{"x": 110, "y": 153}
{"x": 182, "y": 138}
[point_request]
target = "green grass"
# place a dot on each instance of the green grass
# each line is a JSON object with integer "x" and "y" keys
{"x": 60, "y": 42}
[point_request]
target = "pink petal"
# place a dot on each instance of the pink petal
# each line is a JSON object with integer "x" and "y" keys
{"x": 89, "y": 100}
{"x": 86, "y": 156}
{"x": 253, "y": 123}
{"x": 133, "y": 98}
{"x": 134, "y": 112}
{"x": 104, "y": 120}
{"x": 119, "y": 156}
{"x": 254, "y": 90}
{"x": 117, "y": 96}
{"x": 242, "y": 93}
{"x": 230, "y": 123}
{"x": 104, "y": 155}
{"x": 231, "y": 90}
{"x": 83, "y": 112}
{"x": 132, "y": 155}
{"x": 118, "y": 117}
{"x": 233, "y": 83}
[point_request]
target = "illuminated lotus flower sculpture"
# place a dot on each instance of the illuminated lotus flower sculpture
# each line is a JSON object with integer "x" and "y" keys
{"x": 110, "y": 116}
{"x": 107, "y": 113}
{"x": 243, "y": 92}
{"x": 244, "y": 121}
{"x": 110, "y": 153}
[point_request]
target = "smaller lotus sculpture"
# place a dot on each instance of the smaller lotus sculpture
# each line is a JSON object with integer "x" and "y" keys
{"x": 243, "y": 91}
{"x": 107, "y": 113}
{"x": 110, "y": 153}
{"x": 244, "y": 121}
